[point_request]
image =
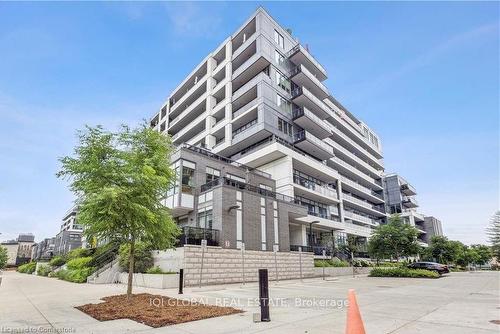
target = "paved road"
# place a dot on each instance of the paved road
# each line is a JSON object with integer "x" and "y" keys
{"x": 457, "y": 303}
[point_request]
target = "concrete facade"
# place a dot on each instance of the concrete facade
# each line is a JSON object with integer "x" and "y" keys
{"x": 432, "y": 227}
{"x": 259, "y": 99}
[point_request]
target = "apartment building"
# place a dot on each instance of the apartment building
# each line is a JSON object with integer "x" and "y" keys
{"x": 70, "y": 235}
{"x": 432, "y": 227}
{"x": 259, "y": 99}
{"x": 400, "y": 197}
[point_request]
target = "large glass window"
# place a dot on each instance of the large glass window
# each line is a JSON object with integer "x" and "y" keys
{"x": 205, "y": 218}
{"x": 283, "y": 104}
{"x": 283, "y": 82}
{"x": 187, "y": 180}
{"x": 279, "y": 58}
{"x": 212, "y": 174}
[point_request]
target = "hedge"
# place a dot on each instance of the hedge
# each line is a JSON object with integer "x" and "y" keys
{"x": 57, "y": 261}
{"x": 79, "y": 263}
{"x": 27, "y": 268}
{"x": 403, "y": 272}
{"x": 330, "y": 263}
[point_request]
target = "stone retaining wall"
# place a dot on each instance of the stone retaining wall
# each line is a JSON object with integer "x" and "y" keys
{"x": 341, "y": 271}
{"x": 222, "y": 266}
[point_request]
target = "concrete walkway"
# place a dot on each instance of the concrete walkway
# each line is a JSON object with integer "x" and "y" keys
{"x": 456, "y": 303}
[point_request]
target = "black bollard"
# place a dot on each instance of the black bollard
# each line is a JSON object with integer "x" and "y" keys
{"x": 264, "y": 295}
{"x": 181, "y": 280}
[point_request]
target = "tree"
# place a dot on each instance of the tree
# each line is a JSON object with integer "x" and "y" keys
{"x": 443, "y": 250}
{"x": 119, "y": 179}
{"x": 394, "y": 239}
{"x": 3, "y": 257}
{"x": 493, "y": 232}
{"x": 483, "y": 252}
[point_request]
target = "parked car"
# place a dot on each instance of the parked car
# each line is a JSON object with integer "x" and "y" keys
{"x": 433, "y": 266}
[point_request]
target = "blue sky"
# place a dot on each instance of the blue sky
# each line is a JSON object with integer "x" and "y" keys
{"x": 424, "y": 76}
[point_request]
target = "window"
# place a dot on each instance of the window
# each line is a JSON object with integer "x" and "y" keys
{"x": 285, "y": 127}
{"x": 205, "y": 218}
{"x": 283, "y": 104}
{"x": 283, "y": 82}
{"x": 187, "y": 180}
{"x": 212, "y": 174}
{"x": 279, "y": 58}
{"x": 278, "y": 38}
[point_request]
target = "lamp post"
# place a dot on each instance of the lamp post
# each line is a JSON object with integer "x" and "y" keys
{"x": 311, "y": 233}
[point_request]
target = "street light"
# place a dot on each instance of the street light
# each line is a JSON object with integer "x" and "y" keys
{"x": 311, "y": 233}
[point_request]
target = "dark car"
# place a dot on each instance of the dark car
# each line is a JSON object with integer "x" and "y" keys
{"x": 433, "y": 266}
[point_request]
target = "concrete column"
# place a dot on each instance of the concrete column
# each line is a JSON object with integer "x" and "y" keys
{"x": 304, "y": 235}
{"x": 341, "y": 204}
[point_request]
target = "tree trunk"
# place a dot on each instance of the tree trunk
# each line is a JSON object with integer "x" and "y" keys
{"x": 130, "y": 268}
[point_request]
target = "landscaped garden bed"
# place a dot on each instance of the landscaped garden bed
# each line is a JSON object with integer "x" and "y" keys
{"x": 153, "y": 310}
{"x": 403, "y": 272}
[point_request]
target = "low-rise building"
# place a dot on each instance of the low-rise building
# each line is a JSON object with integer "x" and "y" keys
{"x": 19, "y": 250}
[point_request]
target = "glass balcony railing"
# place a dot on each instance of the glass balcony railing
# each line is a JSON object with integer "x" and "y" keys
{"x": 323, "y": 190}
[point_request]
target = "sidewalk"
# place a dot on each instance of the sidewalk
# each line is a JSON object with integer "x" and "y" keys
{"x": 458, "y": 303}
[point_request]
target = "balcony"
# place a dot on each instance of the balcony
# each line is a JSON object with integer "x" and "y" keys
{"x": 410, "y": 202}
{"x": 354, "y": 159}
{"x": 194, "y": 235}
{"x": 364, "y": 205}
{"x": 302, "y": 97}
{"x": 353, "y": 186}
{"x": 300, "y": 55}
{"x": 361, "y": 218}
{"x": 312, "y": 123}
{"x": 408, "y": 189}
{"x": 345, "y": 168}
{"x": 314, "y": 191}
{"x": 302, "y": 77}
{"x": 312, "y": 145}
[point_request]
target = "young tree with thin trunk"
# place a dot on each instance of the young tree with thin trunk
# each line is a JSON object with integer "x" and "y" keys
{"x": 119, "y": 179}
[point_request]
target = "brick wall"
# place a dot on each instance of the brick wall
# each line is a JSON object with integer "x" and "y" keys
{"x": 225, "y": 265}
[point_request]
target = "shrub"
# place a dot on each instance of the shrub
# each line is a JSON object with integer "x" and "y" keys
{"x": 361, "y": 263}
{"x": 79, "y": 263}
{"x": 331, "y": 263}
{"x": 27, "y": 268}
{"x": 3, "y": 257}
{"x": 75, "y": 276}
{"x": 403, "y": 272}
{"x": 158, "y": 270}
{"x": 78, "y": 252}
{"x": 57, "y": 261}
{"x": 44, "y": 270}
{"x": 143, "y": 260}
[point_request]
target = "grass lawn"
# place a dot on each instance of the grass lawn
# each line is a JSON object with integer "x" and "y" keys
{"x": 153, "y": 310}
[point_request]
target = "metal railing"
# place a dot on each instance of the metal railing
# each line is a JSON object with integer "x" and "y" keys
{"x": 224, "y": 181}
{"x": 324, "y": 190}
{"x": 220, "y": 158}
{"x": 191, "y": 235}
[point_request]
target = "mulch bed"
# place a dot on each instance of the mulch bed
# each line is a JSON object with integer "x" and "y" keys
{"x": 153, "y": 310}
